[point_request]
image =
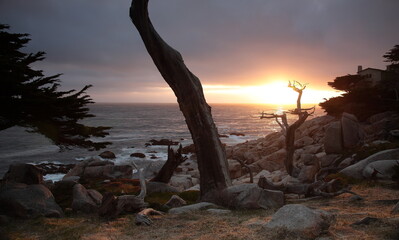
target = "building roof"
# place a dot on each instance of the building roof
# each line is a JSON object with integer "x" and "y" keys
{"x": 375, "y": 69}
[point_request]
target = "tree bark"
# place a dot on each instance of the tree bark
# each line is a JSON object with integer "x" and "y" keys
{"x": 290, "y": 141}
{"x": 174, "y": 160}
{"x": 211, "y": 157}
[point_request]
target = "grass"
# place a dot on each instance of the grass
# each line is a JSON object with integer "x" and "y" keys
{"x": 241, "y": 224}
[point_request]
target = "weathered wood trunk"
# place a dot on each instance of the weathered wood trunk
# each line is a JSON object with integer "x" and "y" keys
{"x": 174, "y": 160}
{"x": 212, "y": 163}
{"x": 290, "y": 142}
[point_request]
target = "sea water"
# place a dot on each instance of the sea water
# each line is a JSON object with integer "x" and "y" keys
{"x": 133, "y": 125}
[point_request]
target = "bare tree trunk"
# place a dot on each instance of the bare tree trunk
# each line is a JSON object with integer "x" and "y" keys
{"x": 174, "y": 160}
{"x": 212, "y": 162}
{"x": 290, "y": 142}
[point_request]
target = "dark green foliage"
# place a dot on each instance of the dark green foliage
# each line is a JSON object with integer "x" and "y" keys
{"x": 30, "y": 99}
{"x": 345, "y": 83}
{"x": 363, "y": 99}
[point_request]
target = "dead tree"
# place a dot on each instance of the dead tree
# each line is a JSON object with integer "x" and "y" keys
{"x": 212, "y": 162}
{"x": 174, "y": 160}
{"x": 289, "y": 130}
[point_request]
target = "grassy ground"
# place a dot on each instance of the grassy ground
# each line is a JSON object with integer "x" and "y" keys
{"x": 378, "y": 202}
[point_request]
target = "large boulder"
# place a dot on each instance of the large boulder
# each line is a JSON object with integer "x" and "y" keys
{"x": 181, "y": 182}
{"x": 251, "y": 196}
{"x": 28, "y": 201}
{"x": 192, "y": 208}
{"x": 356, "y": 170}
{"x": 24, "y": 173}
{"x": 130, "y": 204}
{"x": 175, "y": 201}
{"x": 333, "y": 139}
{"x": 383, "y": 169}
{"x": 300, "y": 220}
{"x": 352, "y": 134}
{"x": 87, "y": 201}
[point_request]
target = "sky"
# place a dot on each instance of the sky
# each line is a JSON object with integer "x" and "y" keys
{"x": 242, "y": 51}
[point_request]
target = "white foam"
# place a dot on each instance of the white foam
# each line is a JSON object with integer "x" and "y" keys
{"x": 54, "y": 177}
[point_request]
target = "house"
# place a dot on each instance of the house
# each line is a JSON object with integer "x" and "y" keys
{"x": 370, "y": 77}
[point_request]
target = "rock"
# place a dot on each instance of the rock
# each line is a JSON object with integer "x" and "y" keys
{"x": 28, "y": 201}
{"x": 95, "y": 196}
{"x": 108, "y": 208}
{"x": 52, "y": 168}
{"x": 76, "y": 171}
{"x": 194, "y": 188}
{"x": 277, "y": 158}
{"x": 219, "y": 211}
{"x": 162, "y": 142}
{"x": 98, "y": 162}
{"x": 304, "y": 141}
{"x": 333, "y": 139}
{"x": 188, "y": 149}
{"x": 328, "y": 160}
{"x": 130, "y": 204}
{"x": 175, "y": 201}
{"x": 107, "y": 155}
{"x": 138, "y": 155}
{"x": 158, "y": 187}
{"x": 263, "y": 173}
{"x": 24, "y": 173}
{"x": 356, "y": 170}
{"x": 181, "y": 182}
{"x": 237, "y": 134}
{"x": 108, "y": 172}
{"x": 300, "y": 220}
{"x": 235, "y": 168}
{"x": 74, "y": 179}
{"x": 251, "y": 196}
{"x": 385, "y": 169}
{"x": 346, "y": 162}
{"x": 309, "y": 159}
{"x": 307, "y": 173}
{"x": 351, "y": 131}
{"x": 192, "y": 208}
{"x": 85, "y": 201}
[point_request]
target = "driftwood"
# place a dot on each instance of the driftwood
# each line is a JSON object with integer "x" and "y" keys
{"x": 174, "y": 160}
{"x": 211, "y": 157}
{"x": 143, "y": 217}
{"x": 318, "y": 188}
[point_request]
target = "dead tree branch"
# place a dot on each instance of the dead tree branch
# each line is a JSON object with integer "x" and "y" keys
{"x": 174, "y": 160}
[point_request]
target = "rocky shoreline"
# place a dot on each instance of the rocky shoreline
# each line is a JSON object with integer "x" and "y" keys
{"x": 324, "y": 146}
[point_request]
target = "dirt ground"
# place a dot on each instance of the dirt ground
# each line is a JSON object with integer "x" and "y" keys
{"x": 379, "y": 199}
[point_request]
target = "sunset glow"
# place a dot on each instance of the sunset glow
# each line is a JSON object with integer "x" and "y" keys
{"x": 276, "y": 92}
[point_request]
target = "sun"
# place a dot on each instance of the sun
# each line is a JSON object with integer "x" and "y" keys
{"x": 276, "y": 92}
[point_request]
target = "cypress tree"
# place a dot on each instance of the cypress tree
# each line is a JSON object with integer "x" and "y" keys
{"x": 32, "y": 100}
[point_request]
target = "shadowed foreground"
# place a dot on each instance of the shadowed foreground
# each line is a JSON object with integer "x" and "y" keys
{"x": 378, "y": 203}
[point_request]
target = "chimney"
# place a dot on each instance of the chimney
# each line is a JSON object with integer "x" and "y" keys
{"x": 359, "y": 68}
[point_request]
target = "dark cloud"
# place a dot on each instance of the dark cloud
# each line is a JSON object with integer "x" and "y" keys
{"x": 223, "y": 41}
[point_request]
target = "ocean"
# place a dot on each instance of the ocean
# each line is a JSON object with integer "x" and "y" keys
{"x": 133, "y": 125}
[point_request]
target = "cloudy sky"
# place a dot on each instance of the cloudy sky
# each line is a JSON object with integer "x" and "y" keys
{"x": 243, "y": 51}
